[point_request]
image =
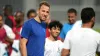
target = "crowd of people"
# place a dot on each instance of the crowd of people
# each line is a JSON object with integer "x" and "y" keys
{"x": 41, "y": 36}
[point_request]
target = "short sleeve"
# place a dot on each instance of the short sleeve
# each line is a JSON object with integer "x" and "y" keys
{"x": 26, "y": 30}
{"x": 66, "y": 44}
{"x": 77, "y": 24}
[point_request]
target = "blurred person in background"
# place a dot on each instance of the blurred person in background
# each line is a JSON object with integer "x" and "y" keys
{"x": 6, "y": 37}
{"x": 9, "y": 18}
{"x": 19, "y": 18}
{"x": 31, "y": 13}
{"x": 72, "y": 15}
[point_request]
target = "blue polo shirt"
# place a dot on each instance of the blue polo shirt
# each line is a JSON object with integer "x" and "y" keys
{"x": 34, "y": 32}
{"x": 65, "y": 29}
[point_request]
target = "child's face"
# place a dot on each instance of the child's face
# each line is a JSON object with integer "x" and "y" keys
{"x": 55, "y": 31}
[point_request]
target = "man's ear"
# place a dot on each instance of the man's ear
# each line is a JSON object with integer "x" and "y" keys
{"x": 37, "y": 11}
{"x": 93, "y": 19}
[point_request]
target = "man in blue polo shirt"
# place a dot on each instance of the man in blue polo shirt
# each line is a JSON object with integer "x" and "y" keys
{"x": 33, "y": 33}
{"x": 72, "y": 14}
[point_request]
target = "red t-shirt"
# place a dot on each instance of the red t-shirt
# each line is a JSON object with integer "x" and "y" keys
{"x": 2, "y": 34}
{"x": 18, "y": 36}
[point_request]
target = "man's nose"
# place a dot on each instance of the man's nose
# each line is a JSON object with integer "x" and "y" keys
{"x": 46, "y": 13}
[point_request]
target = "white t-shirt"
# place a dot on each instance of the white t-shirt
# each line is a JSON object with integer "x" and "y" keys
{"x": 53, "y": 48}
{"x": 82, "y": 42}
{"x": 77, "y": 24}
{"x": 3, "y": 47}
{"x": 16, "y": 47}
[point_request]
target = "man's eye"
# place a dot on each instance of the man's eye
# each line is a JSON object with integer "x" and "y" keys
{"x": 43, "y": 11}
{"x": 47, "y": 11}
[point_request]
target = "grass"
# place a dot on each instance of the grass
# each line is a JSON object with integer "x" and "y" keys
{"x": 98, "y": 30}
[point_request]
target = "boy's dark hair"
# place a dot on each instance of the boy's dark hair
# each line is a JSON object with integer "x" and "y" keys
{"x": 87, "y": 14}
{"x": 55, "y": 24}
{"x": 44, "y": 3}
{"x": 72, "y": 10}
{"x": 31, "y": 11}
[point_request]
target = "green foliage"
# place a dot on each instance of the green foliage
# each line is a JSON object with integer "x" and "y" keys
{"x": 98, "y": 30}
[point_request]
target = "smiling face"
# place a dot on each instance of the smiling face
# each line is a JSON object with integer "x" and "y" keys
{"x": 55, "y": 31}
{"x": 43, "y": 12}
{"x": 71, "y": 18}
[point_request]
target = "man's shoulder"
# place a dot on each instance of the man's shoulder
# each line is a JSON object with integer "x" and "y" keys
{"x": 95, "y": 32}
{"x": 59, "y": 41}
{"x": 66, "y": 24}
{"x": 77, "y": 24}
{"x": 29, "y": 22}
{"x": 73, "y": 31}
{"x": 90, "y": 31}
{"x": 47, "y": 41}
{"x": 6, "y": 27}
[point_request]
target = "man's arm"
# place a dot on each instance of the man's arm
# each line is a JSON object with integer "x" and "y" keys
{"x": 65, "y": 52}
{"x": 9, "y": 40}
{"x": 23, "y": 49}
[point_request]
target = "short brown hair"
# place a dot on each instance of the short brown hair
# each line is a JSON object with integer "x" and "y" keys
{"x": 44, "y": 3}
{"x": 72, "y": 10}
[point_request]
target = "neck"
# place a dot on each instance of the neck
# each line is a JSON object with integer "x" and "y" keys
{"x": 1, "y": 26}
{"x": 52, "y": 38}
{"x": 19, "y": 24}
{"x": 86, "y": 25}
{"x": 70, "y": 23}
{"x": 37, "y": 19}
